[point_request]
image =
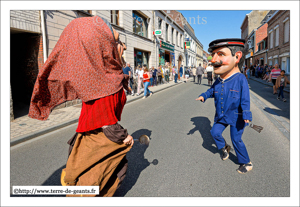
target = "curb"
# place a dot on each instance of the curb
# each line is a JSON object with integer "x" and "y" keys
{"x": 280, "y": 123}
{"x": 265, "y": 83}
{"x": 30, "y": 136}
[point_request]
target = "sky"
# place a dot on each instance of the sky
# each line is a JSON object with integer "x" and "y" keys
{"x": 215, "y": 24}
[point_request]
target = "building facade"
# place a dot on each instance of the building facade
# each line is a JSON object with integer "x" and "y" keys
{"x": 170, "y": 44}
{"x": 250, "y": 23}
{"x": 279, "y": 39}
{"x": 34, "y": 35}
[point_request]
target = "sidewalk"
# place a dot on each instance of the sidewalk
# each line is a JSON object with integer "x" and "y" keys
{"x": 286, "y": 89}
{"x": 25, "y": 128}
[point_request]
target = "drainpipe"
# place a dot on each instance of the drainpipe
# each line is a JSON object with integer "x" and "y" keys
{"x": 44, "y": 35}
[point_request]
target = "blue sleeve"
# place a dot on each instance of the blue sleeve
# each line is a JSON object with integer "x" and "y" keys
{"x": 245, "y": 100}
{"x": 208, "y": 94}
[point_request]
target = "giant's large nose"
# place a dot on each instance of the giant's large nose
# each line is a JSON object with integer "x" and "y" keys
{"x": 214, "y": 58}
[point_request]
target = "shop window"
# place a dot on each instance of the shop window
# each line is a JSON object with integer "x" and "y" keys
{"x": 141, "y": 58}
{"x": 140, "y": 25}
{"x": 286, "y": 31}
{"x": 114, "y": 17}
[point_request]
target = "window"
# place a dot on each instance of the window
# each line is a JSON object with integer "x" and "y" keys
{"x": 177, "y": 40}
{"x": 277, "y": 37}
{"x": 181, "y": 43}
{"x": 270, "y": 62}
{"x": 286, "y": 31}
{"x": 140, "y": 25}
{"x": 159, "y": 23}
{"x": 271, "y": 39}
{"x": 167, "y": 36}
{"x": 114, "y": 17}
{"x": 172, "y": 36}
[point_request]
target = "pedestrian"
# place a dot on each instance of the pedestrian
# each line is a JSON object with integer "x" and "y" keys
{"x": 151, "y": 77}
{"x": 281, "y": 82}
{"x": 127, "y": 71}
{"x": 98, "y": 152}
{"x": 199, "y": 72}
{"x": 232, "y": 99}
{"x": 163, "y": 74}
{"x": 194, "y": 73}
{"x": 159, "y": 75}
{"x": 187, "y": 74}
{"x": 274, "y": 75}
{"x": 146, "y": 80}
{"x": 256, "y": 71}
{"x": 176, "y": 74}
{"x": 181, "y": 71}
{"x": 209, "y": 71}
{"x": 154, "y": 73}
{"x": 247, "y": 73}
{"x": 167, "y": 73}
{"x": 140, "y": 80}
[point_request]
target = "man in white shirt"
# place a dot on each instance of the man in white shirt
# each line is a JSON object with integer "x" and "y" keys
{"x": 209, "y": 71}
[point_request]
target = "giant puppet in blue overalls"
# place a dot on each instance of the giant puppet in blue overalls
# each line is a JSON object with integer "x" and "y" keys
{"x": 232, "y": 99}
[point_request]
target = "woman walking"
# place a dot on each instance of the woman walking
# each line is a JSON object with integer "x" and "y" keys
{"x": 247, "y": 73}
{"x": 140, "y": 80}
{"x": 146, "y": 80}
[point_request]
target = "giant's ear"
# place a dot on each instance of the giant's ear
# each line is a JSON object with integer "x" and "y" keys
{"x": 238, "y": 56}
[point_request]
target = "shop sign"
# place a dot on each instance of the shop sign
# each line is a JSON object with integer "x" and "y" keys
{"x": 187, "y": 45}
{"x": 166, "y": 46}
{"x": 157, "y": 32}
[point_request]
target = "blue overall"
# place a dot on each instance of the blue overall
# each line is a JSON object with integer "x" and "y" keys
{"x": 232, "y": 102}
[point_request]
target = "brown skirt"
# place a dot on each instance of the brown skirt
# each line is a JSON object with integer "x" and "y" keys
{"x": 96, "y": 161}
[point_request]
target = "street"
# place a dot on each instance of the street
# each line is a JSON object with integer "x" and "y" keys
{"x": 181, "y": 160}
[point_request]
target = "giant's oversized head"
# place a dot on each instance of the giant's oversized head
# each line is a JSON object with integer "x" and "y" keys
{"x": 227, "y": 54}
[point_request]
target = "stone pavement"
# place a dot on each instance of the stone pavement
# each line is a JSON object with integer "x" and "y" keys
{"x": 25, "y": 128}
{"x": 286, "y": 89}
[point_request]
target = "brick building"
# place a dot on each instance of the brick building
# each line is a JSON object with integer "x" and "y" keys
{"x": 279, "y": 39}
{"x": 250, "y": 23}
{"x": 260, "y": 48}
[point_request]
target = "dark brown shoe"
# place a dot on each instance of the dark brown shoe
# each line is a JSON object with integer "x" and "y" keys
{"x": 225, "y": 152}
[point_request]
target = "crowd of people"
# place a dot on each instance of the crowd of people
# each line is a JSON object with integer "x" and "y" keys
{"x": 269, "y": 73}
{"x": 143, "y": 77}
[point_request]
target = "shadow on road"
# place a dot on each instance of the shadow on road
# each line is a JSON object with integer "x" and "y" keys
{"x": 266, "y": 92}
{"x": 203, "y": 125}
{"x": 136, "y": 163}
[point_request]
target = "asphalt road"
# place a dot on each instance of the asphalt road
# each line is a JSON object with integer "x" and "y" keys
{"x": 181, "y": 160}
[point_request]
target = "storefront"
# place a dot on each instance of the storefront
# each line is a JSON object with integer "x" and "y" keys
{"x": 141, "y": 58}
{"x": 166, "y": 53}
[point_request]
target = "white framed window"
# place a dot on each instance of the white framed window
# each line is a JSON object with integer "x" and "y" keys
{"x": 177, "y": 39}
{"x": 276, "y": 36}
{"x": 167, "y": 29}
{"x": 114, "y": 17}
{"x": 286, "y": 31}
{"x": 172, "y": 36}
{"x": 270, "y": 62}
{"x": 271, "y": 39}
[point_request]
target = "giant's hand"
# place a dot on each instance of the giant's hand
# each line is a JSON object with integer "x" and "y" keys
{"x": 128, "y": 140}
{"x": 125, "y": 83}
{"x": 200, "y": 99}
